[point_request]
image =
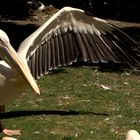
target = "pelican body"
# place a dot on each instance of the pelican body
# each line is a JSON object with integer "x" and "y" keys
{"x": 70, "y": 35}
{"x": 11, "y": 84}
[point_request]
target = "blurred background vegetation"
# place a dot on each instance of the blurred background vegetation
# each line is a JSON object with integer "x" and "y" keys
{"x": 127, "y": 10}
{"x": 114, "y": 9}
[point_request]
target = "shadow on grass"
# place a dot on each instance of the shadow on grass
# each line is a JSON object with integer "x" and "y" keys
{"x": 23, "y": 113}
{"x": 101, "y": 67}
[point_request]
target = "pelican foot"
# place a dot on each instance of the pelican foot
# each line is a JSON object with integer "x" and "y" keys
{"x": 11, "y": 132}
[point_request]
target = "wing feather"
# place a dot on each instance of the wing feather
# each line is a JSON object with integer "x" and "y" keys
{"x": 37, "y": 63}
{"x": 62, "y": 51}
{"x": 57, "y": 52}
{"x": 88, "y": 48}
{"x": 96, "y": 49}
{"x": 82, "y": 49}
{"x": 66, "y": 48}
{"x": 71, "y": 47}
{"x": 72, "y": 35}
{"x": 125, "y": 53}
{"x": 49, "y": 54}
{"x": 32, "y": 67}
{"x": 53, "y": 56}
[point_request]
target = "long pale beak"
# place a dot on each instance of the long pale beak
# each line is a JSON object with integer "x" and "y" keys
{"x": 9, "y": 55}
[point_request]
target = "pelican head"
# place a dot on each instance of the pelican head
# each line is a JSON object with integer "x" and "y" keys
{"x": 10, "y": 56}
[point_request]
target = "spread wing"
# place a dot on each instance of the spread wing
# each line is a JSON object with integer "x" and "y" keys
{"x": 71, "y": 35}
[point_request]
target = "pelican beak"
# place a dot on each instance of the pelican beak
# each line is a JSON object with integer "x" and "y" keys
{"x": 9, "y": 55}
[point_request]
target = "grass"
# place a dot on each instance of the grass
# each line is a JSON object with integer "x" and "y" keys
{"x": 73, "y": 105}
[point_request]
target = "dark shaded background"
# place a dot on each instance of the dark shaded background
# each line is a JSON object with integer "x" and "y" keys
{"x": 126, "y": 10}
{"x": 122, "y": 10}
{"x": 114, "y": 9}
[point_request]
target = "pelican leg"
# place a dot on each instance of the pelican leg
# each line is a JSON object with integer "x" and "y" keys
{"x": 1, "y": 126}
{"x": 7, "y": 131}
{"x": 2, "y": 109}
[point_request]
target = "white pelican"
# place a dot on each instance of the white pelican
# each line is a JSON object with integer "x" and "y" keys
{"x": 132, "y": 135}
{"x": 69, "y": 35}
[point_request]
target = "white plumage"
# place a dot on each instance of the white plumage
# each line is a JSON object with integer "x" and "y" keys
{"x": 132, "y": 135}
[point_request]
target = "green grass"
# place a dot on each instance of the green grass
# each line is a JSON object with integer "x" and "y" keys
{"x": 74, "y": 106}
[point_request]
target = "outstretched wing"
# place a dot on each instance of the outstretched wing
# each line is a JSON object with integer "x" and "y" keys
{"x": 71, "y": 35}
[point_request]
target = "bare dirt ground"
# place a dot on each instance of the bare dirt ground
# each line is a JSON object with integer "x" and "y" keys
{"x": 39, "y": 17}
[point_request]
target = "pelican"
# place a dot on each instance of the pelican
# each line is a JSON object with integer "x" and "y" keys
{"x": 70, "y": 35}
{"x": 132, "y": 135}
